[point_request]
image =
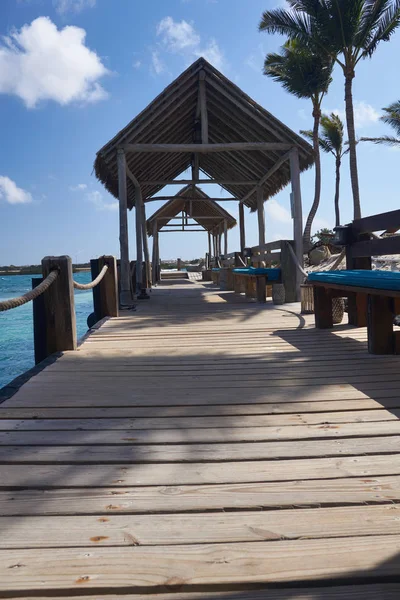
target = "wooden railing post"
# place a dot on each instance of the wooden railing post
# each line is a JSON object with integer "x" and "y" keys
{"x": 289, "y": 272}
{"x": 105, "y": 294}
{"x": 59, "y": 306}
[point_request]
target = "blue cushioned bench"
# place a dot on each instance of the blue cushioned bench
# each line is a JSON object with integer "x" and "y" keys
{"x": 260, "y": 275}
{"x": 376, "y": 295}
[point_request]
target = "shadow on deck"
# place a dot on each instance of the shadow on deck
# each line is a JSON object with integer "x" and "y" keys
{"x": 205, "y": 446}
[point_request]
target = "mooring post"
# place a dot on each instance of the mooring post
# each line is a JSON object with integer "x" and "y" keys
{"x": 59, "y": 306}
{"x": 105, "y": 294}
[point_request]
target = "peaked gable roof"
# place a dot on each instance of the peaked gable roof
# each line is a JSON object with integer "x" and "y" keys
{"x": 232, "y": 117}
{"x": 207, "y": 213}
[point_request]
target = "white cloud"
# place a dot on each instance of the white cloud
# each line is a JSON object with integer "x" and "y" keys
{"x": 212, "y": 53}
{"x": 364, "y": 114}
{"x": 180, "y": 37}
{"x": 157, "y": 64}
{"x": 176, "y": 35}
{"x": 97, "y": 199}
{"x": 40, "y": 62}
{"x": 77, "y": 188}
{"x": 64, "y": 6}
{"x": 137, "y": 64}
{"x": 11, "y": 193}
{"x": 276, "y": 212}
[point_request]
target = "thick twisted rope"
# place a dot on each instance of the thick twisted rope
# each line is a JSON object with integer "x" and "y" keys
{"x": 92, "y": 284}
{"x": 20, "y": 300}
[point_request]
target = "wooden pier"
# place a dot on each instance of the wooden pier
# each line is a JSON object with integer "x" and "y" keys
{"x": 204, "y": 447}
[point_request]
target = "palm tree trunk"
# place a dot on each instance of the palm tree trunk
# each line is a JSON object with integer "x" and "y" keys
{"x": 317, "y": 191}
{"x": 337, "y": 191}
{"x": 351, "y": 132}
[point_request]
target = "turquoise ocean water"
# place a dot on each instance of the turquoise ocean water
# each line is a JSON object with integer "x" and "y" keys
{"x": 16, "y": 325}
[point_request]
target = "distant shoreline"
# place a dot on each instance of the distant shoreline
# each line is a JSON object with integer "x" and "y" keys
{"x": 36, "y": 270}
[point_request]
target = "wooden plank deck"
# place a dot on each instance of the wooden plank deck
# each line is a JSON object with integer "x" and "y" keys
{"x": 204, "y": 447}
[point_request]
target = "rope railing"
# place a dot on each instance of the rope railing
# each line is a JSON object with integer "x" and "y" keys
{"x": 296, "y": 260}
{"x": 31, "y": 295}
{"x": 91, "y": 284}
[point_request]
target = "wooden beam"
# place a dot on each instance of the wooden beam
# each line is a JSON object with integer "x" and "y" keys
{"x": 138, "y": 222}
{"x": 125, "y": 288}
{"x": 203, "y": 107}
{"x": 204, "y": 148}
{"x": 198, "y": 182}
{"x": 242, "y": 227}
{"x": 267, "y": 175}
{"x": 163, "y": 198}
{"x": 261, "y": 216}
{"x": 297, "y": 215}
{"x": 209, "y": 245}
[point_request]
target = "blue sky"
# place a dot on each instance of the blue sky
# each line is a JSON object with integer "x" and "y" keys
{"x": 74, "y": 72}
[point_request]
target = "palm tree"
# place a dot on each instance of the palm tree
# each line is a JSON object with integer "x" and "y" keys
{"x": 331, "y": 141}
{"x": 306, "y": 75}
{"x": 349, "y": 31}
{"x": 392, "y": 118}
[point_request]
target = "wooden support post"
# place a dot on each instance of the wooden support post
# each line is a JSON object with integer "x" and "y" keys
{"x": 242, "y": 227}
{"x": 297, "y": 215}
{"x": 105, "y": 294}
{"x": 125, "y": 289}
{"x": 209, "y": 246}
{"x": 154, "y": 278}
{"x": 179, "y": 264}
{"x": 357, "y": 309}
{"x": 288, "y": 270}
{"x": 59, "y": 305}
{"x": 261, "y": 289}
{"x": 139, "y": 254}
{"x": 261, "y": 217}
{"x": 380, "y": 325}
{"x": 39, "y": 324}
{"x": 225, "y": 237}
{"x": 323, "y": 308}
{"x": 219, "y": 244}
{"x": 147, "y": 278}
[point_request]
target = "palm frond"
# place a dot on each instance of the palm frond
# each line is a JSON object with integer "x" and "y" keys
{"x": 293, "y": 24}
{"x": 322, "y": 143}
{"x": 332, "y": 132}
{"x": 384, "y": 26}
{"x": 300, "y": 71}
{"x": 385, "y": 139}
{"x": 392, "y": 116}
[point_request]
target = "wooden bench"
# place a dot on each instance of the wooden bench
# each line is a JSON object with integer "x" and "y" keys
{"x": 258, "y": 276}
{"x": 373, "y": 296}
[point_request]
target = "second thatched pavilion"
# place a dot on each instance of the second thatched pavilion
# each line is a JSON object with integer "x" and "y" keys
{"x": 201, "y": 121}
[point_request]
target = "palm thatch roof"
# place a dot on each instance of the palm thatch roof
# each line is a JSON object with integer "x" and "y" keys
{"x": 172, "y": 118}
{"x": 207, "y": 213}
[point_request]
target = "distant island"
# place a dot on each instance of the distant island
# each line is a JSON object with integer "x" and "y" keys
{"x": 36, "y": 269}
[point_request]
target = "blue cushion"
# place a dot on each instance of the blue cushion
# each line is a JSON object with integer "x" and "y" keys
{"x": 216, "y": 269}
{"x": 380, "y": 280}
{"x": 272, "y": 274}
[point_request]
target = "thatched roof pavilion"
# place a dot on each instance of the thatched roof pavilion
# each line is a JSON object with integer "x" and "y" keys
{"x": 174, "y": 118}
{"x": 204, "y": 121}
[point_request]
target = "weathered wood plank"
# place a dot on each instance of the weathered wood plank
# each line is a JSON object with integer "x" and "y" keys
{"x": 186, "y": 453}
{"x": 206, "y": 410}
{"x": 152, "y": 568}
{"x": 187, "y": 437}
{"x": 204, "y": 528}
{"x": 166, "y": 499}
{"x": 194, "y": 422}
{"x": 122, "y": 475}
{"x": 383, "y": 591}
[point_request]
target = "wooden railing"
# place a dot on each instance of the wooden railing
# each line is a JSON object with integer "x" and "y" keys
{"x": 54, "y": 320}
